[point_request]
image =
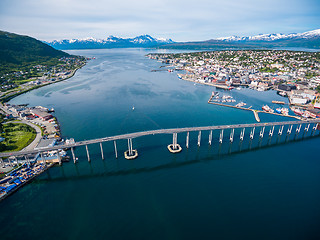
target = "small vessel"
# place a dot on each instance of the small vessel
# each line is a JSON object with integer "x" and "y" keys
{"x": 297, "y": 111}
{"x": 266, "y": 108}
{"x": 282, "y": 93}
{"x": 285, "y": 111}
{"x": 278, "y": 110}
{"x": 132, "y": 108}
{"x": 241, "y": 104}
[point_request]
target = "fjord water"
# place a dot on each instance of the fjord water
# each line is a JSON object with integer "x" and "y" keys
{"x": 265, "y": 189}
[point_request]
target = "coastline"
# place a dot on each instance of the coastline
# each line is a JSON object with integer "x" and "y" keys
{"x": 26, "y": 182}
{"x": 8, "y": 98}
{"x": 39, "y": 134}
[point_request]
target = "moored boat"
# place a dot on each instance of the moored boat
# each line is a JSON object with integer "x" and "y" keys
{"x": 266, "y": 108}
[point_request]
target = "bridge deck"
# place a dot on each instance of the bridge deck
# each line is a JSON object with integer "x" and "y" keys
{"x": 154, "y": 132}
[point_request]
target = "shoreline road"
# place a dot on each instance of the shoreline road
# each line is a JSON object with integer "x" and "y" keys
{"x": 36, "y": 140}
{"x": 38, "y": 137}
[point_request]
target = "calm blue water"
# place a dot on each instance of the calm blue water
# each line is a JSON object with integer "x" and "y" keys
{"x": 265, "y": 189}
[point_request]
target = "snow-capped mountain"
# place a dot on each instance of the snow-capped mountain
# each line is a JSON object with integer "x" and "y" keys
{"x": 273, "y": 37}
{"x": 109, "y": 42}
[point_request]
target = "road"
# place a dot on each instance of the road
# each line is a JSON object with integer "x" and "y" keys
{"x": 38, "y": 137}
{"x": 159, "y": 131}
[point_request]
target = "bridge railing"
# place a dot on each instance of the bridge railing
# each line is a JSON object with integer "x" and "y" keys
{"x": 129, "y": 136}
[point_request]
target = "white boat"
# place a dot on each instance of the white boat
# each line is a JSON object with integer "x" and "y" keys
{"x": 266, "y": 108}
{"x": 132, "y": 108}
{"x": 297, "y": 111}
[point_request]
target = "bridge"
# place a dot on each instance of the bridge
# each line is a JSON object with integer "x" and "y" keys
{"x": 175, "y": 147}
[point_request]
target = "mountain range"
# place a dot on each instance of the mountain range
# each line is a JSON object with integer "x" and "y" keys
{"x": 109, "y": 42}
{"x": 309, "y": 39}
{"x": 274, "y": 37}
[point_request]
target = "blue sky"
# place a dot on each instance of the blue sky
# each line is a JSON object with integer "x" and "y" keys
{"x": 181, "y": 20}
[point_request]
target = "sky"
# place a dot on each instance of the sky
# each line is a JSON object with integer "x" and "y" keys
{"x": 180, "y": 20}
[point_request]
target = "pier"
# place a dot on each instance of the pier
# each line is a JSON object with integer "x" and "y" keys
{"x": 255, "y": 111}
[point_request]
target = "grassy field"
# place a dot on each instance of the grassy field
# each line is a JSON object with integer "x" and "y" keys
{"x": 17, "y": 136}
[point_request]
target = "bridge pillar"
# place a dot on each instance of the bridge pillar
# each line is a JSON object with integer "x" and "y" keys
{"x": 298, "y": 129}
{"x": 101, "y": 148}
{"x": 262, "y": 132}
{"x": 271, "y": 131}
{"x": 231, "y": 135}
{"x": 115, "y": 148}
{"x": 280, "y": 130}
{"x": 221, "y": 136}
{"x": 306, "y": 129}
{"x": 42, "y": 158}
{"x": 187, "y": 140}
{"x": 130, "y": 153}
{"x": 73, "y": 156}
{"x": 175, "y": 147}
{"x": 289, "y": 129}
{"x": 88, "y": 153}
{"x": 252, "y": 132}
{"x": 199, "y": 138}
{"x": 27, "y": 159}
{"x": 59, "y": 157}
{"x": 242, "y": 134}
{"x": 210, "y": 137}
{"x": 315, "y": 126}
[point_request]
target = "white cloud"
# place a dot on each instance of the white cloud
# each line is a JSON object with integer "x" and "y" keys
{"x": 179, "y": 19}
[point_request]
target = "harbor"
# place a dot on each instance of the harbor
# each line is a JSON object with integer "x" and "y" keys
{"x": 20, "y": 176}
{"x": 255, "y": 111}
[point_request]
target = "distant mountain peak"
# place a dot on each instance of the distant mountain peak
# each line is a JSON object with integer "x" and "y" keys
{"x": 273, "y": 36}
{"x": 109, "y": 42}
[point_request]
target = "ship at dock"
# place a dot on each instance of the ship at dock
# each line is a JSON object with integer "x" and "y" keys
{"x": 266, "y": 108}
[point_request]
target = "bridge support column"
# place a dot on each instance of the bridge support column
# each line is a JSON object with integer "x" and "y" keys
{"x": 298, "y": 129}
{"x": 252, "y": 132}
{"x": 221, "y": 136}
{"x": 262, "y": 132}
{"x": 101, "y": 148}
{"x": 175, "y": 147}
{"x": 314, "y": 129}
{"x": 271, "y": 131}
{"x": 73, "y": 156}
{"x": 199, "y": 138}
{"x": 115, "y": 148}
{"x": 315, "y": 126}
{"x": 27, "y": 159}
{"x": 280, "y": 130}
{"x": 210, "y": 137}
{"x": 59, "y": 157}
{"x": 88, "y": 153}
{"x": 42, "y": 158}
{"x": 231, "y": 135}
{"x": 242, "y": 134}
{"x": 187, "y": 140}
{"x": 130, "y": 153}
{"x": 289, "y": 129}
{"x": 306, "y": 129}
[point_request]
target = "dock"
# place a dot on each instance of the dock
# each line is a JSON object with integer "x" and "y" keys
{"x": 255, "y": 112}
{"x": 256, "y": 115}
